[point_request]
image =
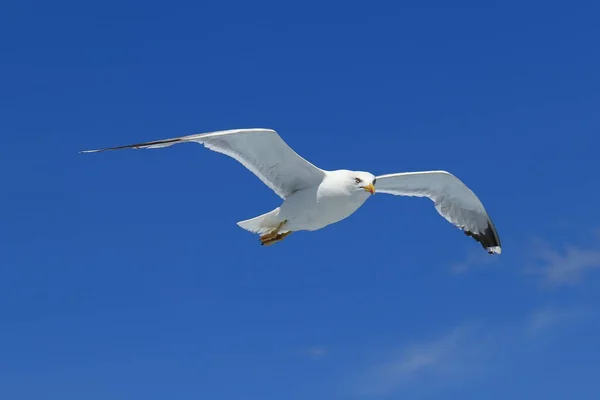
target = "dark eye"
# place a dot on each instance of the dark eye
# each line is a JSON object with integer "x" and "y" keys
{"x": 358, "y": 180}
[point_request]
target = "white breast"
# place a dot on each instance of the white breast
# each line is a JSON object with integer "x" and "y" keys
{"x": 315, "y": 208}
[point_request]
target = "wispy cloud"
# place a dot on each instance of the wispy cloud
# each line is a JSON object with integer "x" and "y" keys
{"x": 316, "y": 352}
{"x": 450, "y": 358}
{"x": 557, "y": 266}
{"x": 460, "y": 355}
{"x": 564, "y": 268}
{"x": 549, "y": 318}
{"x": 475, "y": 259}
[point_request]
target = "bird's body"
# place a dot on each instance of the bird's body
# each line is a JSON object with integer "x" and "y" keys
{"x": 314, "y": 198}
{"x": 315, "y": 207}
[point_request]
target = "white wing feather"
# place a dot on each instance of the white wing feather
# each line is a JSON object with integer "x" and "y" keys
{"x": 262, "y": 151}
{"x": 453, "y": 200}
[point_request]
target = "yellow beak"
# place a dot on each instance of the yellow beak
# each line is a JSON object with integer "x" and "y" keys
{"x": 370, "y": 188}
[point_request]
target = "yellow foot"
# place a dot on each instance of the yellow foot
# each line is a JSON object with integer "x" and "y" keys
{"x": 278, "y": 238}
{"x": 274, "y": 235}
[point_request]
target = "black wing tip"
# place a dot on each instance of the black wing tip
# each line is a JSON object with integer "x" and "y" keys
{"x": 134, "y": 146}
{"x": 488, "y": 238}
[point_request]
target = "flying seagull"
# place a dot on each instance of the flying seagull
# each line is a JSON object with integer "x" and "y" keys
{"x": 314, "y": 198}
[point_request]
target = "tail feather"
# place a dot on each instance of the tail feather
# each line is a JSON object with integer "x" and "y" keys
{"x": 261, "y": 224}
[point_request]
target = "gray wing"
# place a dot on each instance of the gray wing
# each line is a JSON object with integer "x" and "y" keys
{"x": 452, "y": 198}
{"x": 262, "y": 151}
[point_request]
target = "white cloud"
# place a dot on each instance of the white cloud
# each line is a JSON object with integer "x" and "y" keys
{"x": 460, "y": 355}
{"x": 316, "y": 351}
{"x": 566, "y": 267}
{"x": 450, "y": 358}
{"x": 548, "y": 318}
{"x": 475, "y": 258}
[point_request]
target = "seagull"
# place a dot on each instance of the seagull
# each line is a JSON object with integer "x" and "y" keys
{"x": 314, "y": 198}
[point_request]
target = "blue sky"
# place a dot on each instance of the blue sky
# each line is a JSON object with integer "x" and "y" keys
{"x": 123, "y": 275}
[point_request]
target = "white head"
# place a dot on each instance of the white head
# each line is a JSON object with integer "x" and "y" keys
{"x": 356, "y": 181}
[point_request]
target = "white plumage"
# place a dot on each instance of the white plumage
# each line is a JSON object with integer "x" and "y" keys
{"x": 314, "y": 198}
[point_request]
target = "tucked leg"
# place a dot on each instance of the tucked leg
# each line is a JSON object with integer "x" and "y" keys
{"x": 273, "y": 234}
{"x": 278, "y": 238}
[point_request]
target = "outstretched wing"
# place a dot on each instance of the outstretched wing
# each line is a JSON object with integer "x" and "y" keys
{"x": 453, "y": 200}
{"x": 262, "y": 151}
